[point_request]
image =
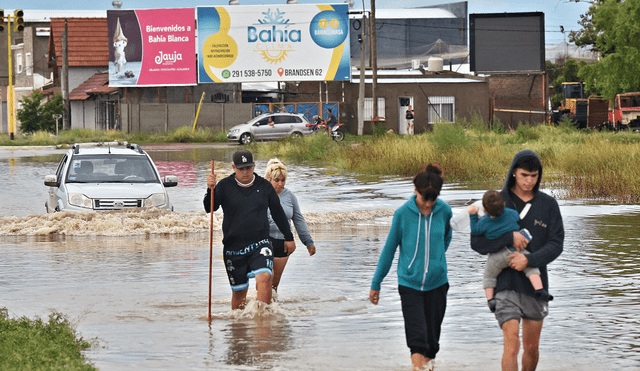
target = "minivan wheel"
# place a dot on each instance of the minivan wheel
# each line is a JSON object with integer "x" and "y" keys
{"x": 246, "y": 138}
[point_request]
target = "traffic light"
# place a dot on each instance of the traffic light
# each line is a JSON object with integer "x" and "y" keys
{"x": 1, "y": 20}
{"x": 18, "y": 20}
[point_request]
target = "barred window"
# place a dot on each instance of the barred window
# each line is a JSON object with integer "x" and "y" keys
{"x": 368, "y": 108}
{"x": 106, "y": 116}
{"x": 441, "y": 109}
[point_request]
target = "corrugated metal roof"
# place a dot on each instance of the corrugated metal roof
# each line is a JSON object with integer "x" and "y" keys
{"x": 418, "y": 81}
{"x": 96, "y": 84}
{"x": 87, "y": 42}
{"x": 45, "y": 15}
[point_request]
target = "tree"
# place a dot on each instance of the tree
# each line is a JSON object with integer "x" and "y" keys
{"x": 612, "y": 28}
{"x": 588, "y": 34}
{"x": 36, "y": 115}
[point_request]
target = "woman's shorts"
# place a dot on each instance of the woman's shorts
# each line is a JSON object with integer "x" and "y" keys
{"x": 278, "y": 248}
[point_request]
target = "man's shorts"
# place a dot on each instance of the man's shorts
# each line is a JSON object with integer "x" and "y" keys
{"x": 278, "y": 248}
{"x": 247, "y": 262}
{"x": 516, "y": 305}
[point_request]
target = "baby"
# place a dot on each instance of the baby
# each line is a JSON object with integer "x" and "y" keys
{"x": 497, "y": 221}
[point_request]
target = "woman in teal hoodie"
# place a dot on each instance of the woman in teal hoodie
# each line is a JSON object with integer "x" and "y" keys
{"x": 421, "y": 229}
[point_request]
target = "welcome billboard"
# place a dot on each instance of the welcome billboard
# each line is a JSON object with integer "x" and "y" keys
{"x": 273, "y": 43}
{"x": 152, "y": 47}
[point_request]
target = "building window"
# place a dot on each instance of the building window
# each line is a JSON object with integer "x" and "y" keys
{"x": 368, "y": 108}
{"x": 441, "y": 109}
{"x": 106, "y": 116}
{"x": 29, "y": 64}
{"x": 19, "y": 63}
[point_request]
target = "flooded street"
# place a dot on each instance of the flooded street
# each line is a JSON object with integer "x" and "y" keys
{"x": 136, "y": 284}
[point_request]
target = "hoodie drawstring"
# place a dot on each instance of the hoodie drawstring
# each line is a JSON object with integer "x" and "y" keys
{"x": 427, "y": 247}
{"x": 415, "y": 252}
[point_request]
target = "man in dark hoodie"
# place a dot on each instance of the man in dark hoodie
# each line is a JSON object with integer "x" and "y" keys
{"x": 515, "y": 297}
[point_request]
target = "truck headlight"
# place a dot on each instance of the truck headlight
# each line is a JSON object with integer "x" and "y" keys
{"x": 80, "y": 200}
{"x": 155, "y": 200}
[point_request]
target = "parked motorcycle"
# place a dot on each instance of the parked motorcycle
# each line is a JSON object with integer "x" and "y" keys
{"x": 319, "y": 125}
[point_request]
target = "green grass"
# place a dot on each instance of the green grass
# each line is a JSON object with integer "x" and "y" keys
{"x": 182, "y": 134}
{"x": 586, "y": 164}
{"x": 35, "y": 344}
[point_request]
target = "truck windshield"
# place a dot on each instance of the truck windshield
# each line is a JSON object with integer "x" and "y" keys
{"x": 630, "y": 101}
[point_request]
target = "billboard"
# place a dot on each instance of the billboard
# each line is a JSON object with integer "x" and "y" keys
{"x": 414, "y": 34}
{"x": 152, "y": 47}
{"x": 273, "y": 43}
{"x": 507, "y": 42}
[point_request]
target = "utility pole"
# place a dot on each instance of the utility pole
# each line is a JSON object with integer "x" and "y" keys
{"x": 18, "y": 26}
{"x": 10, "y": 118}
{"x": 363, "y": 45}
{"x": 374, "y": 59}
{"x": 66, "y": 118}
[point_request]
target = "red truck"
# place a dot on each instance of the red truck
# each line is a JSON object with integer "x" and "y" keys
{"x": 626, "y": 112}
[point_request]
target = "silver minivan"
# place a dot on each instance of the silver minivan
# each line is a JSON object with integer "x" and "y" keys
{"x": 283, "y": 125}
{"x": 107, "y": 177}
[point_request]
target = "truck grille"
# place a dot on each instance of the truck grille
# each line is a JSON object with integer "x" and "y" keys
{"x": 115, "y": 204}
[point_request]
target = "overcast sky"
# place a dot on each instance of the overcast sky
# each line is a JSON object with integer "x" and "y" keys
{"x": 558, "y": 13}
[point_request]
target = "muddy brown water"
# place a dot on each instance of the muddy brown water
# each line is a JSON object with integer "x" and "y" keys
{"x": 135, "y": 284}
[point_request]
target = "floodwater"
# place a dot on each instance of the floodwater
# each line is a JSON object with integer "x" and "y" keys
{"x": 135, "y": 284}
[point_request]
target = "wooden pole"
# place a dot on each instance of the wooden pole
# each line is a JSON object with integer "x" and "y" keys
{"x": 374, "y": 59}
{"x": 211, "y": 244}
{"x": 66, "y": 104}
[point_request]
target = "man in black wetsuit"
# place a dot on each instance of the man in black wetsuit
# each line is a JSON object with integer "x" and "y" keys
{"x": 245, "y": 198}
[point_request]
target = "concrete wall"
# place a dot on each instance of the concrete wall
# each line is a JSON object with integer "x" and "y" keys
{"x": 471, "y": 98}
{"x": 164, "y": 117}
{"x": 519, "y": 92}
{"x": 83, "y": 115}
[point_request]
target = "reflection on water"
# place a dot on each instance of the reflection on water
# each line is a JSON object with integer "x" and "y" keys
{"x": 136, "y": 283}
{"x": 257, "y": 341}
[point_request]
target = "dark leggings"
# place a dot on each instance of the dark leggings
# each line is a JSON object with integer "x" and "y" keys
{"x": 423, "y": 312}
